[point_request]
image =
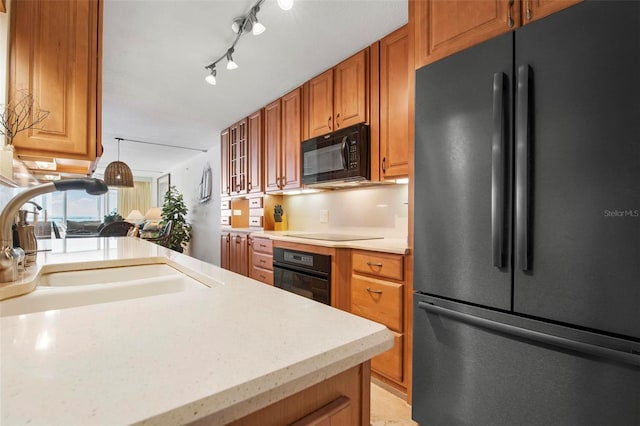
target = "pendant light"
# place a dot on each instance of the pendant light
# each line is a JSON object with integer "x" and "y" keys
{"x": 118, "y": 173}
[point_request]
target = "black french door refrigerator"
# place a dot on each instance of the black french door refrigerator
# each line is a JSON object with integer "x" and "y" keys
{"x": 527, "y": 226}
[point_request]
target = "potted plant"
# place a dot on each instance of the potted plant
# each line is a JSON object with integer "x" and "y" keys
{"x": 114, "y": 216}
{"x": 175, "y": 209}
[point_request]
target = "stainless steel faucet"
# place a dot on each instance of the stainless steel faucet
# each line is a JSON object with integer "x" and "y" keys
{"x": 8, "y": 256}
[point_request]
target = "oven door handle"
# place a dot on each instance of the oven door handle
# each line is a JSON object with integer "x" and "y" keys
{"x": 287, "y": 267}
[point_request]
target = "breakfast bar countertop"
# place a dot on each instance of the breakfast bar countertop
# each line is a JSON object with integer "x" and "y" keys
{"x": 220, "y": 352}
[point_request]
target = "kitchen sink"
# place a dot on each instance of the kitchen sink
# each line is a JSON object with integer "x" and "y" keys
{"x": 67, "y": 289}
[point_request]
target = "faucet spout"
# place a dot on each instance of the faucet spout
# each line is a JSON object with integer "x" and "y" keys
{"x": 8, "y": 262}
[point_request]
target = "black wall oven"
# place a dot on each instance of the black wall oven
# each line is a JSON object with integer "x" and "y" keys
{"x": 306, "y": 274}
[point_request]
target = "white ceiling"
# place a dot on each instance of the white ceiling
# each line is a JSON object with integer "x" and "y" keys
{"x": 155, "y": 51}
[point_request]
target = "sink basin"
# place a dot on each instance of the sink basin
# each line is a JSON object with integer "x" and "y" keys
{"x": 60, "y": 290}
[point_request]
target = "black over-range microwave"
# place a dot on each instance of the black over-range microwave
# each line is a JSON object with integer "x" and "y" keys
{"x": 338, "y": 158}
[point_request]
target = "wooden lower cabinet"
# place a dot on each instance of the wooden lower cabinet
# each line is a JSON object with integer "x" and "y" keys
{"x": 261, "y": 259}
{"x": 234, "y": 253}
{"x": 379, "y": 293}
{"x": 341, "y": 400}
{"x": 390, "y": 363}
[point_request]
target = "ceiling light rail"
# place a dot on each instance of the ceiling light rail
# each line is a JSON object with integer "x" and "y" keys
{"x": 162, "y": 144}
{"x": 241, "y": 25}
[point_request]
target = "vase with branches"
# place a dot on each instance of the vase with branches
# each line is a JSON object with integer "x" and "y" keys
{"x": 174, "y": 208}
{"x": 19, "y": 115}
{"x": 16, "y": 116}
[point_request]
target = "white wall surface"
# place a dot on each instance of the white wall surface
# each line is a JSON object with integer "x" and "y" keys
{"x": 375, "y": 211}
{"x": 4, "y": 47}
{"x": 205, "y": 218}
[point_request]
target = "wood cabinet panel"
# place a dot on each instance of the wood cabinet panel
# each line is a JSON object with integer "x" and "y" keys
{"x": 263, "y": 245}
{"x": 394, "y": 104}
{"x": 443, "y": 27}
{"x": 532, "y": 10}
{"x": 272, "y": 135}
{"x": 383, "y": 265}
{"x": 353, "y": 383}
{"x": 291, "y": 139}
{"x": 225, "y": 185}
{"x": 321, "y": 104}
{"x": 55, "y": 55}
{"x": 238, "y": 157}
{"x": 336, "y": 413}
{"x": 262, "y": 275}
{"x": 378, "y": 300}
{"x": 225, "y": 240}
{"x": 255, "y": 149}
{"x": 262, "y": 260}
{"x": 239, "y": 255}
{"x": 389, "y": 363}
{"x": 350, "y": 91}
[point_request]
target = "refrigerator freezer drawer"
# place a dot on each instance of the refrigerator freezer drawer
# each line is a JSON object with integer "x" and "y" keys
{"x": 473, "y": 366}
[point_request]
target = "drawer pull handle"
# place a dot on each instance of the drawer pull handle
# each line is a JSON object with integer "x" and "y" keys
{"x": 378, "y": 264}
{"x": 370, "y": 290}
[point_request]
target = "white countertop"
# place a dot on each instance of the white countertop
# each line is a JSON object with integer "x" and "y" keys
{"x": 386, "y": 245}
{"x": 226, "y": 351}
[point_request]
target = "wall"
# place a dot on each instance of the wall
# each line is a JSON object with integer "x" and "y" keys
{"x": 378, "y": 211}
{"x": 4, "y": 47}
{"x": 205, "y": 218}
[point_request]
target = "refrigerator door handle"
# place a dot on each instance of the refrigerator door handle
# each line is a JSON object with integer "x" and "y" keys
{"x": 522, "y": 168}
{"x": 498, "y": 169}
{"x": 536, "y": 336}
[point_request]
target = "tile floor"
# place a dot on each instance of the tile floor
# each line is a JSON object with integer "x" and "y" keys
{"x": 388, "y": 409}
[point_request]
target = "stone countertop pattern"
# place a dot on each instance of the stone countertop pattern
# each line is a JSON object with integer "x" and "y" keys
{"x": 386, "y": 245}
{"x": 224, "y": 351}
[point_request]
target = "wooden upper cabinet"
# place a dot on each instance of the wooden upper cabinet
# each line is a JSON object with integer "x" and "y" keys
{"x": 532, "y": 10}
{"x": 321, "y": 104}
{"x": 394, "y": 104}
{"x": 338, "y": 97}
{"x": 55, "y": 55}
{"x": 291, "y": 139}
{"x": 272, "y": 135}
{"x": 443, "y": 27}
{"x": 350, "y": 91}
{"x": 238, "y": 157}
{"x": 254, "y": 158}
{"x": 225, "y": 185}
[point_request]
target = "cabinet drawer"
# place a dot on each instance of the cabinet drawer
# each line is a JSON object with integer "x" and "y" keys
{"x": 379, "y": 264}
{"x": 225, "y": 220}
{"x": 380, "y": 301}
{"x": 255, "y": 221}
{"x": 390, "y": 363}
{"x": 262, "y": 275}
{"x": 225, "y": 205}
{"x": 263, "y": 245}
{"x": 255, "y": 203}
{"x": 261, "y": 260}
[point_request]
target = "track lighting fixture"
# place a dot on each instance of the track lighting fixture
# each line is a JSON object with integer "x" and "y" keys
{"x": 230, "y": 64}
{"x": 242, "y": 25}
{"x": 285, "y": 4}
{"x": 211, "y": 78}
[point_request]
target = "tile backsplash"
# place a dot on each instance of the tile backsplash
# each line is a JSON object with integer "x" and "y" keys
{"x": 378, "y": 211}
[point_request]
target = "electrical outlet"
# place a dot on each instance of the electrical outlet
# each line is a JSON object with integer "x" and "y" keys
{"x": 324, "y": 216}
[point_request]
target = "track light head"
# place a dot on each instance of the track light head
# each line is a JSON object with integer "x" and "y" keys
{"x": 258, "y": 28}
{"x": 231, "y": 65}
{"x": 241, "y": 24}
{"x": 211, "y": 78}
{"x": 285, "y": 4}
